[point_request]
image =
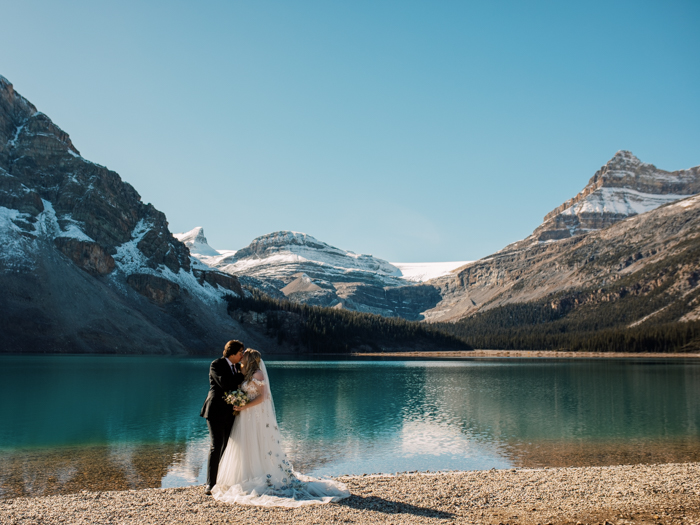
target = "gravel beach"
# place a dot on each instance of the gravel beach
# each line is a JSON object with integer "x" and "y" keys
{"x": 667, "y": 493}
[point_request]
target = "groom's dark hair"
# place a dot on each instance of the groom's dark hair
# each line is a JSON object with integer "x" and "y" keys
{"x": 233, "y": 347}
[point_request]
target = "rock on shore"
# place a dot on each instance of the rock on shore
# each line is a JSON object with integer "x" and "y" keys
{"x": 619, "y": 495}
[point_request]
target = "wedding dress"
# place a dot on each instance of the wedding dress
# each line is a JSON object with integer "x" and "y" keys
{"x": 254, "y": 469}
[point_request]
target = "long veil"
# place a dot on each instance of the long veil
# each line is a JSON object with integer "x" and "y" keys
{"x": 268, "y": 391}
{"x": 255, "y": 469}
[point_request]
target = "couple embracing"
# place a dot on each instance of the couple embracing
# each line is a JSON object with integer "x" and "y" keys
{"x": 247, "y": 464}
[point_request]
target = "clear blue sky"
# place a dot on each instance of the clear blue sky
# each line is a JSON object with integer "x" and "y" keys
{"x": 411, "y": 130}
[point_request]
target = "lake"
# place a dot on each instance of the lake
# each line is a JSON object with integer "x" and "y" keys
{"x": 70, "y": 423}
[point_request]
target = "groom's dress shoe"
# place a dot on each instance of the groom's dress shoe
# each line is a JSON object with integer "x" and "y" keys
{"x": 207, "y": 490}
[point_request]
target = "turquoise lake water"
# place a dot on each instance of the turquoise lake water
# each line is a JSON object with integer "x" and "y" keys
{"x": 108, "y": 422}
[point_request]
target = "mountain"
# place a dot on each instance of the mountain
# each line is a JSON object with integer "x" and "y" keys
{"x": 632, "y": 286}
{"x": 197, "y": 243}
{"x": 620, "y": 227}
{"x": 86, "y": 265}
{"x": 656, "y": 240}
{"x": 624, "y": 187}
{"x": 298, "y": 267}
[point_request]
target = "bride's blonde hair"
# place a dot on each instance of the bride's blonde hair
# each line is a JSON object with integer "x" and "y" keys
{"x": 252, "y": 363}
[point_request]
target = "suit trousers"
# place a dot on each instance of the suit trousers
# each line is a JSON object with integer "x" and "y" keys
{"x": 219, "y": 432}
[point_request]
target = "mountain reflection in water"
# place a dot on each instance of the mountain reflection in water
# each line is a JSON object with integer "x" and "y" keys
{"x": 114, "y": 423}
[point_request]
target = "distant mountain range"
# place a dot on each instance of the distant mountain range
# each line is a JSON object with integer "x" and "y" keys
{"x": 298, "y": 267}
{"x": 625, "y": 191}
{"x": 86, "y": 266}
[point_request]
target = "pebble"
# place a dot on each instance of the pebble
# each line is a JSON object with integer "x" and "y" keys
{"x": 619, "y": 495}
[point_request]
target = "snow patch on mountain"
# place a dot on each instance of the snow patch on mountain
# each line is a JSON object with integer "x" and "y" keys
{"x": 47, "y": 225}
{"x": 14, "y": 255}
{"x": 621, "y": 201}
{"x": 421, "y": 272}
{"x": 17, "y": 245}
{"x": 622, "y": 188}
{"x": 129, "y": 258}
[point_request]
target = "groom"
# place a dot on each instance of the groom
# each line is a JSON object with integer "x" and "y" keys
{"x": 224, "y": 375}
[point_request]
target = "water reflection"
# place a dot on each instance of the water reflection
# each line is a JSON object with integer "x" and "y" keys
{"x": 72, "y": 469}
{"x": 130, "y": 422}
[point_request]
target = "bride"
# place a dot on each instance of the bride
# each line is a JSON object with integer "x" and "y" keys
{"x": 254, "y": 469}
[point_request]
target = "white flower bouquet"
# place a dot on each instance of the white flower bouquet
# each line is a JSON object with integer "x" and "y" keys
{"x": 236, "y": 398}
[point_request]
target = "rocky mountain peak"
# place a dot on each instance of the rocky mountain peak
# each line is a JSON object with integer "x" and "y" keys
{"x": 196, "y": 242}
{"x": 623, "y": 159}
{"x": 284, "y": 238}
{"x": 195, "y": 235}
{"x": 623, "y": 187}
{"x": 44, "y": 178}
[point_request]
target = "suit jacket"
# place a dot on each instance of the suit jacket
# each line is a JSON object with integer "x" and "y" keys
{"x": 221, "y": 380}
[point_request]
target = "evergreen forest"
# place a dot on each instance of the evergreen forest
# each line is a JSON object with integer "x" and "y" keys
{"x": 328, "y": 330}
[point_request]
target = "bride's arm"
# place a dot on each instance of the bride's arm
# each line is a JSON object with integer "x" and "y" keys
{"x": 261, "y": 396}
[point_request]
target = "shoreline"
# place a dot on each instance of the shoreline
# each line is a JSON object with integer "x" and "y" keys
{"x": 619, "y": 495}
{"x": 547, "y": 354}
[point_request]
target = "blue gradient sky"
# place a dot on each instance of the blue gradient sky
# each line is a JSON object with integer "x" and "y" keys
{"x": 411, "y": 130}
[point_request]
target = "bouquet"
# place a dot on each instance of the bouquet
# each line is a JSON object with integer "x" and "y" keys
{"x": 236, "y": 398}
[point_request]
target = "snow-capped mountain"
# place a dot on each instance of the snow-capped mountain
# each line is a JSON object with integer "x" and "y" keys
{"x": 85, "y": 264}
{"x": 299, "y": 267}
{"x": 281, "y": 255}
{"x": 203, "y": 256}
{"x": 197, "y": 242}
{"x": 628, "y": 216}
{"x": 280, "y": 249}
{"x": 624, "y": 187}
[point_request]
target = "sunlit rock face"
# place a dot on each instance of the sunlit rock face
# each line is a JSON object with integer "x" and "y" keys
{"x": 86, "y": 266}
{"x": 624, "y": 187}
{"x": 39, "y": 164}
{"x": 660, "y": 248}
{"x": 629, "y": 217}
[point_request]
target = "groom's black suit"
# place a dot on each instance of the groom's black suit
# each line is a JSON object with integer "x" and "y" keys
{"x": 218, "y": 413}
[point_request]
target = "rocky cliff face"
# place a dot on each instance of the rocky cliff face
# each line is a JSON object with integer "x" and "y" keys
{"x": 298, "y": 267}
{"x": 86, "y": 265}
{"x": 624, "y": 187}
{"x": 642, "y": 253}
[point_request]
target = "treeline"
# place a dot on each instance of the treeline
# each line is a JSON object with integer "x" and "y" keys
{"x": 599, "y": 319}
{"x": 533, "y": 327}
{"x": 670, "y": 337}
{"x": 329, "y": 330}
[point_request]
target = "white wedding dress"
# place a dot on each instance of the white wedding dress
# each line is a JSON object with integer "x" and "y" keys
{"x": 254, "y": 469}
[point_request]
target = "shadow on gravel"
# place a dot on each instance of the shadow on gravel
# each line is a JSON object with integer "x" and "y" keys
{"x": 391, "y": 507}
